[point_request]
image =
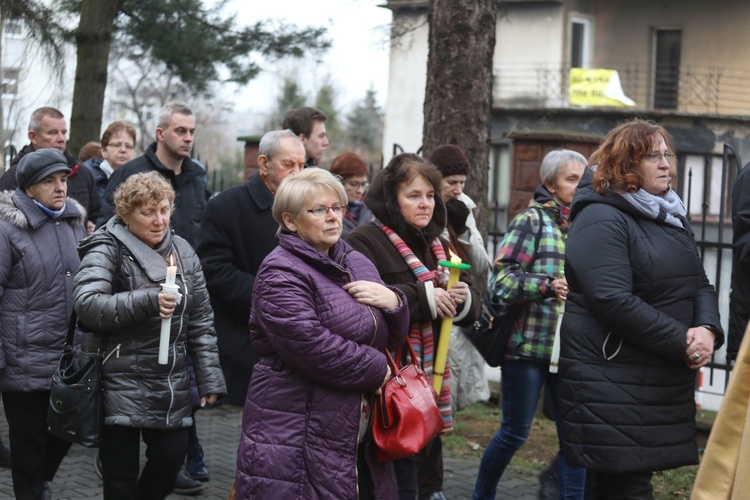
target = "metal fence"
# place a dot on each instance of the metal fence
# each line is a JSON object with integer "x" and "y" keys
{"x": 690, "y": 89}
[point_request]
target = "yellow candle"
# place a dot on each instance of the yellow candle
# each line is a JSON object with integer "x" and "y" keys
{"x": 455, "y": 265}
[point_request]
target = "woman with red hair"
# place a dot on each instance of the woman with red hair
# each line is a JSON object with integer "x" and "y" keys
{"x": 641, "y": 317}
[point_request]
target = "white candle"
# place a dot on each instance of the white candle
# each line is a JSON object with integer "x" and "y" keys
{"x": 166, "y": 324}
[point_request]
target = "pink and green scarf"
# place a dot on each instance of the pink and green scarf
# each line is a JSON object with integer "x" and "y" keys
{"x": 420, "y": 334}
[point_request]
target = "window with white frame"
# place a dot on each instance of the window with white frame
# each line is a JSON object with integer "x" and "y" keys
{"x": 579, "y": 41}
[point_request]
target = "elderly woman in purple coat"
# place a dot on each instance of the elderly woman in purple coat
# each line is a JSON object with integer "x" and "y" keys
{"x": 321, "y": 321}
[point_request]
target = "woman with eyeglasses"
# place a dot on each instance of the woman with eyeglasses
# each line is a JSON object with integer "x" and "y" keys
{"x": 118, "y": 147}
{"x": 405, "y": 244}
{"x": 353, "y": 171}
{"x": 321, "y": 321}
{"x": 641, "y": 317}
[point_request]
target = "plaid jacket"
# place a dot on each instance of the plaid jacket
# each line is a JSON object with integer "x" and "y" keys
{"x": 522, "y": 274}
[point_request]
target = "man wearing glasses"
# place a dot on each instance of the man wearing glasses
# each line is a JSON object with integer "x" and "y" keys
{"x": 48, "y": 129}
{"x": 237, "y": 233}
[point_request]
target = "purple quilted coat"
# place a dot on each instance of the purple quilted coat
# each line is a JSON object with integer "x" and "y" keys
{"x": 321, "y": 353}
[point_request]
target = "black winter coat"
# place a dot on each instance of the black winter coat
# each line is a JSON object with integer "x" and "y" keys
{"x": 81, "y": 185}
{"x": 237, "y": 233}
{"x": 382, "y": 199}
{"x": 739, "y": 297}
{"x": 636, "y": 286}
{"x": 189, "y": 186}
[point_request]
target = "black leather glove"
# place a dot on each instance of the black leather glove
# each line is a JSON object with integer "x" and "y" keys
{"x": 458, "y": 212}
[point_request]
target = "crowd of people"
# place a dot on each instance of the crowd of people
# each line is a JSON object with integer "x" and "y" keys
{"x": 293, "y": 286}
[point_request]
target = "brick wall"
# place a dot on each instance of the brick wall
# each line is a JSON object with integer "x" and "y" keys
{"x": 528, "y": 150}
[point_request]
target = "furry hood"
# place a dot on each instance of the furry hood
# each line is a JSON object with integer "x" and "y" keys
{"x": 18, "y": 209}
{"x": 382, "y": 199}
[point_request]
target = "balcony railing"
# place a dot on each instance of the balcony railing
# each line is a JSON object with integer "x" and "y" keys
{"x": 700, "y": 90}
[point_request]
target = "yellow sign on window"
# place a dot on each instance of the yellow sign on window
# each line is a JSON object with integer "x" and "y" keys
{"x": 596, "y": 87}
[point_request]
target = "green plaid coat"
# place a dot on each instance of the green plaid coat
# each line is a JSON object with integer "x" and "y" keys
{"x": 522, "y": 273}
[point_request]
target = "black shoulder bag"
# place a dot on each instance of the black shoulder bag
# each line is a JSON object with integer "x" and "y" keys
{"x": 491, "y": 332}
{"x": 76, "y": 402}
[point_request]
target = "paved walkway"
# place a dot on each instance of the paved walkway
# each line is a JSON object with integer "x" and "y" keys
{"x": 219, "y": 431}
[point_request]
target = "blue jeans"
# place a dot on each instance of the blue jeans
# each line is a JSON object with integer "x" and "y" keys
{"x": 522, "y": 383}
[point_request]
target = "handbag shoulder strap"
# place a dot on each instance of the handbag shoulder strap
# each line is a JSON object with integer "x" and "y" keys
{"x": 538, "y": 238}
{"x": 119, "y": 284}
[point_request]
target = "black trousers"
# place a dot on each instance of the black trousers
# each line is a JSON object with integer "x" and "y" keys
{"x": 120, "y": 453}
{"x": 35, "y": 453}
{"x": 422, "y": 474}
{"x": 632, "y": 486}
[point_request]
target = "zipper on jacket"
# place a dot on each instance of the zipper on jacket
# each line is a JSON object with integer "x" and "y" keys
{"x": 117, "y": 350}
{"x": 375, "y": 330}
{"x": 356, "y": 461}
{"x": 173, "y": 345}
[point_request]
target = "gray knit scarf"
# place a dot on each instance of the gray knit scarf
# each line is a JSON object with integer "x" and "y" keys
{"x": 650, "y": 205}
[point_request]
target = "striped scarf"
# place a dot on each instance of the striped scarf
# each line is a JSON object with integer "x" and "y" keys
{"x": 420, "y": 334}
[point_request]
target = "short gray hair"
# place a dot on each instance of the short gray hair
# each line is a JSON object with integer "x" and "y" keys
{"x": 169, "y": 109}
{"x": 294, "y": 190}
{"x": 38, "y": 115}
{"x": 269, "y": 143}
{"x": 555, "y": 160}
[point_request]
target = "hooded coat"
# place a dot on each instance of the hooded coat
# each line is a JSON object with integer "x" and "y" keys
{"x": 138, "y": 391}
{"x": 382, "y": 199}
{"x": 321, "y": 353}
{"x": 38, "y": 262}
{"x": 637, "y": 285}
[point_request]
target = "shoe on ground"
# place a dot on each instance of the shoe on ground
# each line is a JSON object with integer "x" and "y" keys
{"x": 187, "y": 486}
{"x": 438, "y": 495}
{"x": 195, "y": 467}
{"x": 98, "y": 465}
{"x": 4, "y": 455}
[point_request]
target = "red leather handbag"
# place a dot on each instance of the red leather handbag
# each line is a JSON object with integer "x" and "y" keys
{"x": 405, "y": 416}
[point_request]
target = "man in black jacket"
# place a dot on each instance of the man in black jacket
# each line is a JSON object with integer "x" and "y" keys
{"x": 170, "y": 156}
{"x": 237, "y": 233}
{"x": 47, "y": 129}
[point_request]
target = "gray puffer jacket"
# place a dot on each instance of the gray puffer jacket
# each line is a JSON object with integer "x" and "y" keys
{"x": 38, "y": 261}
{"x": 138, "y": 391}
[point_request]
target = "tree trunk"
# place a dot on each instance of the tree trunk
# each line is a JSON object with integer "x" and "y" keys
{"x": 93, "y": 39}
{"x": 458, "y": 96}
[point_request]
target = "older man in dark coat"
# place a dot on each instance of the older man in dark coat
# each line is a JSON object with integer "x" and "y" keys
{"x": 236, "y": 234}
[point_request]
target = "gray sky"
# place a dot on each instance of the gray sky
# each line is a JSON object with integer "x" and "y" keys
{"x": 357, "y": 59}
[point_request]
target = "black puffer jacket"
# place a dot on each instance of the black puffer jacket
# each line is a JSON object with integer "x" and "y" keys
{"x": 139, "y": 392}
{"x": 636, "y": 286}
{"x": 739, "y": 297}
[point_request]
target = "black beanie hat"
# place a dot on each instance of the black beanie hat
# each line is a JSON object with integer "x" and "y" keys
{"x": 450, "y": 160}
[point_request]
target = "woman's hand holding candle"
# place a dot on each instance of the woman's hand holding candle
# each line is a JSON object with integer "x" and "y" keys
{"x": 459, "y": 292}
{"x": 445, "y": 304}
{"x": 167, "y": 304}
